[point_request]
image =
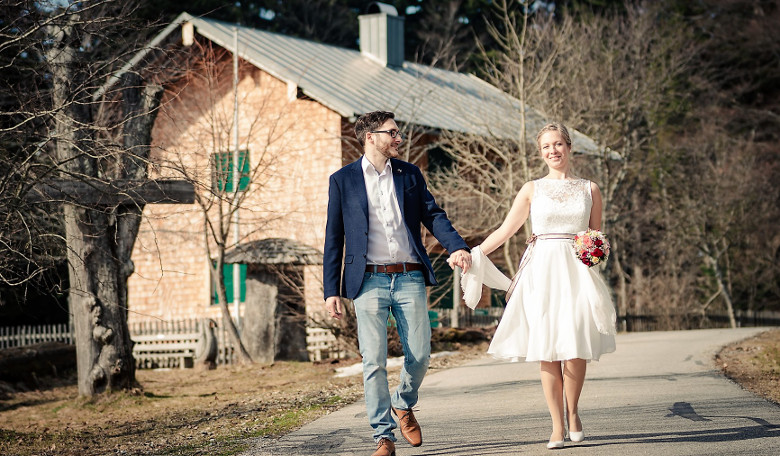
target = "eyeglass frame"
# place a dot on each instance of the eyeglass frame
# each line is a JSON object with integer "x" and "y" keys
{"x": 393, "y": 133}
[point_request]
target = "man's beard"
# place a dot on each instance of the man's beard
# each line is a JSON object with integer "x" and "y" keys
{"x": 390, "y": 152}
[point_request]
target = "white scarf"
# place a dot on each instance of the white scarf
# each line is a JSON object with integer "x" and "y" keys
{"x": 482, "y": 272}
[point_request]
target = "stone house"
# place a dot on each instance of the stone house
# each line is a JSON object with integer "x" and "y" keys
{"x": 297, "y": 102}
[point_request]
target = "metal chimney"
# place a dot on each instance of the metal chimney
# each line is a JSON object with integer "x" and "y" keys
{"x": 382, "y": 34}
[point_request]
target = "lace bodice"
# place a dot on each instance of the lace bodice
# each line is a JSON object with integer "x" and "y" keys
{"x": 560, "y": 206}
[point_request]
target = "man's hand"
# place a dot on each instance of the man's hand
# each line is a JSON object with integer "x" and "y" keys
{"x": 333, "y": 304}
{"x": 460, "y": 258}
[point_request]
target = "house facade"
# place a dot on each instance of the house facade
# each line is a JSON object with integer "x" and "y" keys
{"x": 293, "y": 145}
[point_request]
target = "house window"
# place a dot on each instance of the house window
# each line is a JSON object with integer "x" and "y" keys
{"x": 227, "y": 271}
{"x": 223, "y": 171}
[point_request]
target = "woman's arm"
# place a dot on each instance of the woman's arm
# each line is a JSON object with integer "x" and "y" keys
{"x": 517, "y": 215}
{"x": 595, "y": 212}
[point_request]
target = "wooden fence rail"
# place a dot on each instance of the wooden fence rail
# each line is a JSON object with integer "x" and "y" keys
{"x": 20, "y": 336}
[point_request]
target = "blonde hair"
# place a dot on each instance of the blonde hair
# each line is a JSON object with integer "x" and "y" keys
{"x": 553, "y": 126}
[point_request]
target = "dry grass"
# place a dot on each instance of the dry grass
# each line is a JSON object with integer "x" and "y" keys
{"x": 755, "y": 364}
{"x": 182, "y": 412}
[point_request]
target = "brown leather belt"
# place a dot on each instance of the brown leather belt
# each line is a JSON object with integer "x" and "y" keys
{"x": 395, "y": 268}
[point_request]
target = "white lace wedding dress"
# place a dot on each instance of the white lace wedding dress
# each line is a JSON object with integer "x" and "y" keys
{"x": 560, "y": 309}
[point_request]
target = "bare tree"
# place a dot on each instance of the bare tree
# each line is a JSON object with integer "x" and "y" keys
{"x": 681, "y": 199}
{"x": 96, "y": 148}
{"x": 722, "y": 206}
{"x": 621, "y": 89}
{"x": 612, "y": 76}
{"x": 487, "y": 171}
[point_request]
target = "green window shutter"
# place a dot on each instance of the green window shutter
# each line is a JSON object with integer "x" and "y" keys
{"x": 223, "y": 171}
{"x": 227, "y": 271}
{"x": 243, "y": 165}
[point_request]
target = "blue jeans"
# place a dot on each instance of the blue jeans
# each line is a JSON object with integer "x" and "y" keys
{"x": 403, "y": 294}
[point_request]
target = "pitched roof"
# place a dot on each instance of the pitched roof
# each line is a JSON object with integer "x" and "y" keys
{"x": 350, "y": 83}
{"x": 273, "y": 251}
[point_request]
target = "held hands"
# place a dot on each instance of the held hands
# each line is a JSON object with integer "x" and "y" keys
{"x": 460, "y": 258}
{"x": 333, "y": 304}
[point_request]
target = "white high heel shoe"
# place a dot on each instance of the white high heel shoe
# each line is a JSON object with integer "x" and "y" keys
{"x": 554, "y": 444}
{"x": 577, "y": 436}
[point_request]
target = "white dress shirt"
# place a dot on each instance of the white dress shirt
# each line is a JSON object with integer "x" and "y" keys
{"x": 388, "y": 241}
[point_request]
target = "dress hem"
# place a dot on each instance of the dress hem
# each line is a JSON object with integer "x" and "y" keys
{"x": 520, "y": 358}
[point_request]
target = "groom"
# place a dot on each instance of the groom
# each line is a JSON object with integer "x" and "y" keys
{"x": 376, "y": 208}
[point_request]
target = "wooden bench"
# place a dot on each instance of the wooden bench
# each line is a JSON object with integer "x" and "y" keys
{"x": 165, "y": 350}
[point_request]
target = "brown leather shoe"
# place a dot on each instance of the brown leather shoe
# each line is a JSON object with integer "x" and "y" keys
{"x": 385, "y": 447}
{"x": 409, "y": 426}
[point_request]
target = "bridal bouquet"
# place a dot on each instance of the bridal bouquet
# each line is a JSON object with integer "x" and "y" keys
{"x": 591, "y": 247}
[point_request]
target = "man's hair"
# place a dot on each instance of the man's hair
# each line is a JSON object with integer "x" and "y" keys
{"x": 370, "y": 121}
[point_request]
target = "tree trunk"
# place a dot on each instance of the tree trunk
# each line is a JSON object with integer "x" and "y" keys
{"x": 99, "y": 240}
{"x": 622, "y": 293}
{"x": 722, "y": 288}
{"x": 103, "y": 347}
{"x": 140, "y": 104}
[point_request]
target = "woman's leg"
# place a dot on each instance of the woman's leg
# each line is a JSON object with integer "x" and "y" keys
{"x": 552, "y": 384}
{"x": 573, "y": 380}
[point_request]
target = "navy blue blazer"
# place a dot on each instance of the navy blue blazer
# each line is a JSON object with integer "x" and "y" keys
{"x": 346, "y": 232}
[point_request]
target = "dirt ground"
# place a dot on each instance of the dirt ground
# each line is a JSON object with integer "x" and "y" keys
{"x": 754, "y": 364}
{"x": 186, "y": 412}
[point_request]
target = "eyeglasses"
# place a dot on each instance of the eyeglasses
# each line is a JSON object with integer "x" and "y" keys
{"x": 393, "y": 133}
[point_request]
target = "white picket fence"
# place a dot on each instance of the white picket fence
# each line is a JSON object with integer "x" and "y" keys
{"x": 321, "y": 343}
{"x": 20, "y": 336}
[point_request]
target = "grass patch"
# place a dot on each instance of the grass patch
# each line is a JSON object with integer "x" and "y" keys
{"x": 287, "y": 421}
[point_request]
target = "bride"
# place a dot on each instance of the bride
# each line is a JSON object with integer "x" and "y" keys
{"x": 560, "y": 312}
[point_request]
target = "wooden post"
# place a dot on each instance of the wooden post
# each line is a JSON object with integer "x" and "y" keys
{"x": 99, "y": 193}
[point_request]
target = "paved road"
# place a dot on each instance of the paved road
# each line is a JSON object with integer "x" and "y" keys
{"x": 658, "y": 394}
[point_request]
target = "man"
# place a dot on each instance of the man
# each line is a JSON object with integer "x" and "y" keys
{"x": 376, "y": 207}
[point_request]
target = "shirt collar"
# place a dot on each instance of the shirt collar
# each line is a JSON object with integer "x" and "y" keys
{"x": 368, "y": 167}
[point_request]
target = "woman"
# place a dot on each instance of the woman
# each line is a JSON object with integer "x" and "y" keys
{"x": 560, "y": 313}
